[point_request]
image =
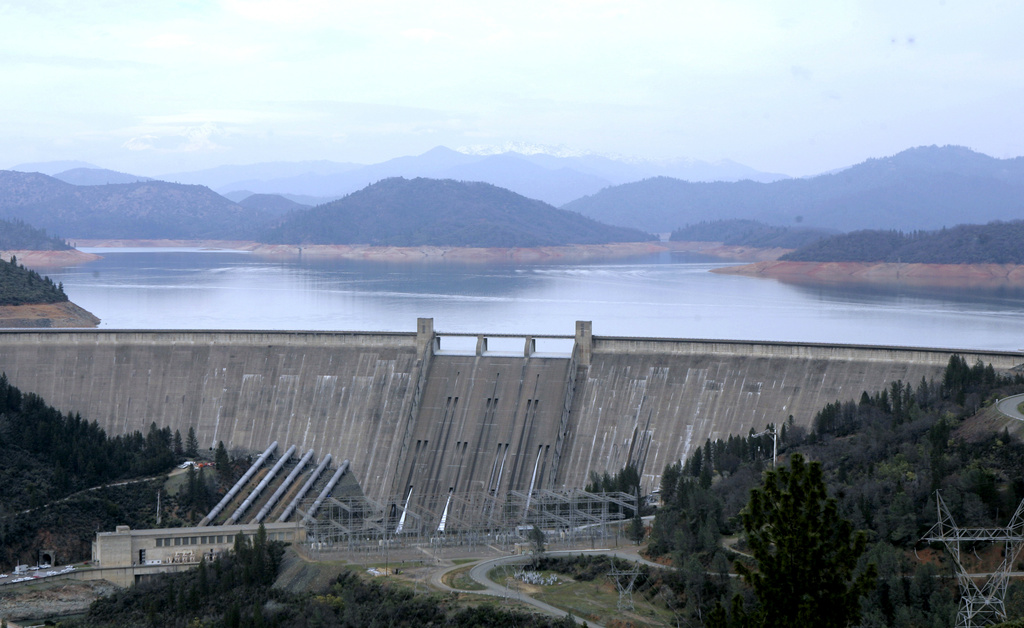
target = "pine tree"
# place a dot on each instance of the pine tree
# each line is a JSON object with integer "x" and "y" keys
{"x": 222, "y": 462}
{"x": 806, "y": 553}
{"x": 191, "y": 443}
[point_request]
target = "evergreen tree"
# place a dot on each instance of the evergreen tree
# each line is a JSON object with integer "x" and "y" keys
{"x": 191, "y": 443}
{"x": 806, "y": 553}
{"x": 222, "y": 462}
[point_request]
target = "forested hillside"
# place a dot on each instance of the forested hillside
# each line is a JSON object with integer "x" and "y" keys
{"x": 921, "y": 188}
{"x": 21, "y": 286}
{"x": 48, "y": 456}
{"x": 418, "y": 212}
{"x": 994, "y": 243}
{"x": 62, "y": 479}
{"x": 883, "y": 457}
{"x": 748, "y": 233}
{"x": 16, "y": 235}
{"x": 147, "y": 209}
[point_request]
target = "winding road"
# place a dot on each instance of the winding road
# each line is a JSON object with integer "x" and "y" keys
{"x": 479, "y": 575}
{"x": 1009, "y": 405}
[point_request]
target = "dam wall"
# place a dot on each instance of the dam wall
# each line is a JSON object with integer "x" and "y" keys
{"x": 347, "y": 394}
{"x": 650, "y": 402}
{"x": 487, "y": 424}
{"x": 417, "y": 422}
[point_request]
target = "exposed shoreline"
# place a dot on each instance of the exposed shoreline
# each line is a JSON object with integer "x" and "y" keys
{"x": 418, "y": 254}
{"x": 938, "y": 275}
{"x": 50, "y": 259}
{"x": 760, "y": 262}
{"x": 46, "y": 315}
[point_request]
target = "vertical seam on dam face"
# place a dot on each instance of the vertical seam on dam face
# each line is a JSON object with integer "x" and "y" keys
{"x": 380, "y": 400}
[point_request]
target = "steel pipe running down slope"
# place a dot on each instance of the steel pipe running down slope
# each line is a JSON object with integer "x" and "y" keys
{"x": 238, "y": 485}
{"x": 264, "y": 483}
{"x": 305, "y": 489}
{"x": 327, "y": 491}
{"x": 281, "y": 490}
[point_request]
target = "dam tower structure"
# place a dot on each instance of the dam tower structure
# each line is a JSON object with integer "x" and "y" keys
{"x": 427, "y": 418}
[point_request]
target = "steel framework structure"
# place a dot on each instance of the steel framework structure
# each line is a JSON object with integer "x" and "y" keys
{"x": 625, "y": 580}
{"x": 464, "y": 520}
{"x": 979, "y": 604}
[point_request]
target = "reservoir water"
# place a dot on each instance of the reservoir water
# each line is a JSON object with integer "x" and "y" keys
{"x": 666, "y": 295}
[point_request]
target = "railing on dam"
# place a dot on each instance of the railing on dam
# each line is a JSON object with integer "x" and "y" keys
{"x": 503, "y": 345}
{"x": 826, "y": 351}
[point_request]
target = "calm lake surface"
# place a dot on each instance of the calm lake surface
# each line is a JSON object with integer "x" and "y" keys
{"x": 666, "y": 295}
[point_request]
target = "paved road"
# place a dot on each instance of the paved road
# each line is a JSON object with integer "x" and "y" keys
{"x": 1009, "y": 405}
{"x": 479, "y": 574}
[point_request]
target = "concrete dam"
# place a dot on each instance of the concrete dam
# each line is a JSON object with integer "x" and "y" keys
{"x": 416, "y": 417}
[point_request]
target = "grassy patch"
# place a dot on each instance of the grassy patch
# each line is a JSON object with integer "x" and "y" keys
{"x": 459, "y": 579}
{"x": 465, "y": 561}
{"x": 598, "y": 601}
{"x": 1020, "y": 407}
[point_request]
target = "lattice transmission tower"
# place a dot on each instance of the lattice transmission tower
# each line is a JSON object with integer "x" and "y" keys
{"x": 980, "y": 604}
{"x": 625, "y": 580}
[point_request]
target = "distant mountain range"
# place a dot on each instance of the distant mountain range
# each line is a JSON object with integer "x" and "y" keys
{"x": 921, "y": 188}
{"x": 738, "y": 232}
{"x": 272, "y": 204}
{"x": 554, "y": 180}
{"x": 150, "y": 209}
{"x": 97, "y": 176}
{"x": 432, "y": 212}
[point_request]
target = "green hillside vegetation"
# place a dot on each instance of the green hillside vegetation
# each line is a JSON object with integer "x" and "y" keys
{"x": 21, "y": 286}
{"x": 16, "y": 235}
{"x": 994, "y": 243}
{"x": 882, "y": 457}
{"x": 431, "y": 212}
{"x": 145, "y": 209}
{"x": 62, "y": 478}
{"x": 748, "y": 233}
{"x": 920, "y": 188}
{"x": 236, "y": 590}
{"x": 49, "y": 456}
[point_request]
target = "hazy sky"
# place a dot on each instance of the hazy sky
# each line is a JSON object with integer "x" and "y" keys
{"x": 793, "y": 87}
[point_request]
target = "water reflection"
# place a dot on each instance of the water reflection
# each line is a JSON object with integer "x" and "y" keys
{"x": 661, "y": 295}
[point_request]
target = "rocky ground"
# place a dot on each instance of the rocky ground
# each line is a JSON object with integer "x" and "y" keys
{"x": 51, "y": 599}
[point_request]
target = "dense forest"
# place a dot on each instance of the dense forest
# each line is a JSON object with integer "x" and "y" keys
{"x": 16, "y": 235}
{"x": 431, "y": 212}
{"x": 882, "y": 456}
{"x": 748, "y": 233}
{"x": 236, "y": 590}
{"x": 994, "y": 243}
{"x": 21, "y": 286}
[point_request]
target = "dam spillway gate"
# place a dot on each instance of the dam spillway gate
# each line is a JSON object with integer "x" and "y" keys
{"x": 447, "y": 426}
